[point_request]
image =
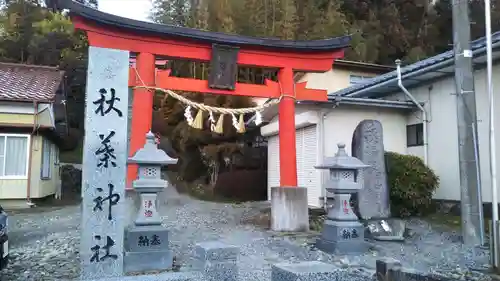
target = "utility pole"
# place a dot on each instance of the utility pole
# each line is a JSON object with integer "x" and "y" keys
{"x": 470, "y": 193}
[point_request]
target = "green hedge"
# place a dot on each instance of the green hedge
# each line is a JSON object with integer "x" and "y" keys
{"x": 411, "y": 184}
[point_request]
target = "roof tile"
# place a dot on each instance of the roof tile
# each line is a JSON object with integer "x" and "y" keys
{"x": 21, "y": 82}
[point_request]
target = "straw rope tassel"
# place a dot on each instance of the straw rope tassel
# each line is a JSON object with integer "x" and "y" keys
{"x": 241, "y": 124}
{"x": 219, "y": 127}
{"x": 198, "y": 120}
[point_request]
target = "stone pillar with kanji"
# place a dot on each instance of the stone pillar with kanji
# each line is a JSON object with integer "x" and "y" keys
{"x": 146, "y": 240}
{"x": 342, "y": 231}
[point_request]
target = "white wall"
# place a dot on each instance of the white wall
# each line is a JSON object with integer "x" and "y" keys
{"x": 482, "y": 105}
{"x": 333, "y": 80}
{"x": 338, "y": 126}
{"x": 340, "y": 123}
{"x": 441, "y": 105}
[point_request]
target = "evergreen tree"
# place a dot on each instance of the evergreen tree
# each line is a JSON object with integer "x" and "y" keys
{"x": 174, "y": 12}
{"x": 330, "y": 22}
{"x": 286, "y": 21}
{"x": 221, "y": 16}
{"x": 252, "y": 18}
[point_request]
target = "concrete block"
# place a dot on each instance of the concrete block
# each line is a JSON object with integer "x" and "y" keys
{"x": 384, "y": 265}
{"x": 289, "y": 209}
{"x": 220, "y": 271}
{"x": 216, "y": 251}
{"x": 217, "y": 261}
{"x": 313, "y": 271}
{"x": 389, "y": 269}
{"x": 304, "y": 271}
{"x": 408, "y": 274}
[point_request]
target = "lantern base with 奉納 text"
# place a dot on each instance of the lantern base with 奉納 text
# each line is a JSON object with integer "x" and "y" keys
{"x": 342, "y": 237}
{"x": 146, "y": 249}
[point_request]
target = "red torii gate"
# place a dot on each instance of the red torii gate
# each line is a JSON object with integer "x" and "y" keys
{"x": 148, "y": 40}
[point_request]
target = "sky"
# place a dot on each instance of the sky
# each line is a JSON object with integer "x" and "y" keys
{"x": 133, "y": 9}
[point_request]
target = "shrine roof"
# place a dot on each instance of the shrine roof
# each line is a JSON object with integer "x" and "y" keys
{"x": 22, "y": 82}
{"x": 136, "y": 26}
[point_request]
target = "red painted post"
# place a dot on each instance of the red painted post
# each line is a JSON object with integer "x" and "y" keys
{"x": 142, "y": 109}
{"x": 288, "y": 150}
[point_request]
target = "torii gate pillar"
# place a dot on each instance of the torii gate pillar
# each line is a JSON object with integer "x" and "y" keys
{"x": 289, "y": 210}
{"x": 142, "y": 109}
{"x": 288, "y": 150}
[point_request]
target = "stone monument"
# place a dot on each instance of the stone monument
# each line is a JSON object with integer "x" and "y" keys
{"x": 104, "y": 164}
{"x": 146, "y": 240}
{"x": 368, "y": 146}
{"x": 373, "y": 199}
{"x": 342, "y": 230}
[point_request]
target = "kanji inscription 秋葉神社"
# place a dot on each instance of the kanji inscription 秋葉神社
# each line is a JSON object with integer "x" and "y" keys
{"x": 104, "y": 164}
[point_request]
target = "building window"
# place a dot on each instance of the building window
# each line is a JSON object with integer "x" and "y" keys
{"x": 415, "y": 135}
{"x": 46, "y": 159}
{"x": 14, "y": 156}
{"x": 358, "y": 79}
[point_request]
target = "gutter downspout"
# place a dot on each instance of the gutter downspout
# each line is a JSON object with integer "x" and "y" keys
{"x": 424, "y": 113}
{"x": 35, "y": 128}
{"x": 321, "y": 154}
{"x": 51, "y": 114}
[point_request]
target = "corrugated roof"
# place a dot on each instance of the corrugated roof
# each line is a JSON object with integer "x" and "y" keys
{"x": 446, "y": 56}
{"x": 21, "y": 82}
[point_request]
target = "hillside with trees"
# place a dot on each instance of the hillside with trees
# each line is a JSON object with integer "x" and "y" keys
{"x": 382, "y": 30}
{"x": 35, "y": 32}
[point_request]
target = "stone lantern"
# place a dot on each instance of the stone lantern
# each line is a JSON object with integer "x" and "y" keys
{"x": 342, "y": 230}
{"x": 146, "y": 240}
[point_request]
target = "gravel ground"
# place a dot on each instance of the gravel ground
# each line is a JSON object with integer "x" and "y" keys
{"x": 44, "y": 245}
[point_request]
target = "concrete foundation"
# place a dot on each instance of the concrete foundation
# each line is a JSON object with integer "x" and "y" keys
{"x": 289, "y": 210}
{"x": 16, "y": 204}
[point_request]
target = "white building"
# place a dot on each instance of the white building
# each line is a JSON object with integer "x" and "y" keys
{"x": 320, "y": 126}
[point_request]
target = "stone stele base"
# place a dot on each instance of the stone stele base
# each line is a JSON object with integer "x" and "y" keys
{"x": 342, "y": 237}
{"x": 289, "y": 210}
{"x": 146, "y": 249}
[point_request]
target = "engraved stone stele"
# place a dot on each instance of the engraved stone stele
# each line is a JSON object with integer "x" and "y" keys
{"x": 368, "y": 146}
{"x": 342, "y": 231}
{"x": 146, "y": 240}
{"x": 104, "y": 164}
{"x": 373, "y": 199}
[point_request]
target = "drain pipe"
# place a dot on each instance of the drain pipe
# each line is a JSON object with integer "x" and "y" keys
{"x": 424, "y": 113}
{"x": 322, "y": 117}
{"x": 30, "y": 154}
